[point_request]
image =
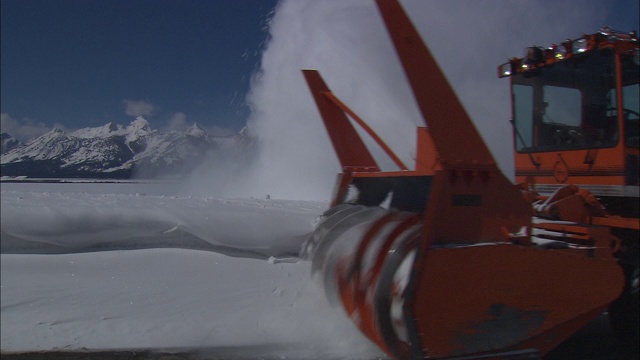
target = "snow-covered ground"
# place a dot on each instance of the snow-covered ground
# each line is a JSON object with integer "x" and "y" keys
{"x": 132, "y": 266}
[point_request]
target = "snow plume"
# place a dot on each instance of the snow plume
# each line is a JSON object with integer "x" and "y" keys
{"x": 347, "y": 42}
{"x": 177, "y": 122}
{"x": 224, "y": 173}
{"x": 344, "y": 41}
{"x": 138, "y": 108}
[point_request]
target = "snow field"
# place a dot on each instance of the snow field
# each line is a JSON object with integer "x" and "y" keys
{"x": 169, "y": 296}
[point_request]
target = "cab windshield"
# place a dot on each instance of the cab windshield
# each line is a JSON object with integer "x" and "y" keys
{"x": 572, "y": 105}
{"x": 631, "y": 99}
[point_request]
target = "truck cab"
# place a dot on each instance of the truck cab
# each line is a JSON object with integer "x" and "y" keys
{"x": 575, "y": 111}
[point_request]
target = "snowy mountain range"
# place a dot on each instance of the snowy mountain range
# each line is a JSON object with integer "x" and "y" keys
{"x": 114, "y": 151}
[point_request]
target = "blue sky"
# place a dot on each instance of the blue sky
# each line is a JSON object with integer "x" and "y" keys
{"x": 79, "y": 63}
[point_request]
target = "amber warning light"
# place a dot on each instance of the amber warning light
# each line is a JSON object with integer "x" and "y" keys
{"x": 536, "y": 56}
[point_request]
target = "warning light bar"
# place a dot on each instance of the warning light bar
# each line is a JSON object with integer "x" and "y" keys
{"x": 536, "y": 57}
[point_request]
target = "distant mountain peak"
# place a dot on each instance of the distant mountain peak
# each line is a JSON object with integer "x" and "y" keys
{"x": 140, "y": 123}
{"x": 137, "y": 131}
{"x": 115, "y": 151}
{"x": 103, "y": 131}
{"x": 196, "y": 131}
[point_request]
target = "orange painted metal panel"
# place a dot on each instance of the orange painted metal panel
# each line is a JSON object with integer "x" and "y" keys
{"x": 367, "y": 129}
{"x": 469, "y": 207}
{"x": 427, "y": 158}
{"x": 442, "y": 111}
{"x": 487, "y": 298}
{"x": 351, "y": 151}
{"x": 569, "y": 167}
{"x": 617, "y": 221}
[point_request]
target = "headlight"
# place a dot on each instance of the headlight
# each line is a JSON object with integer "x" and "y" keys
{"x": 504, "y": 70}
{"x": 579, "y": 45}
{"x": 560, "y": 52}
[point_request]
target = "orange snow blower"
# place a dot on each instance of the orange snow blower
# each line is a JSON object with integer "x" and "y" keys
{"x": 445, "y": 260}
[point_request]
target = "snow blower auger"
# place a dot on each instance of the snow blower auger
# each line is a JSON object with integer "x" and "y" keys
{"x": 440, "y": 261}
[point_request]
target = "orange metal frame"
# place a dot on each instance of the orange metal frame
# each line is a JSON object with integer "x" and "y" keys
{"x": 474, "y": 287}
{"x": 601, "y": 170}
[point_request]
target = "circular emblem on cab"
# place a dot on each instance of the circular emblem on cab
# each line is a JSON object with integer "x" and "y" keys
{"x": 560, "y": 171}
